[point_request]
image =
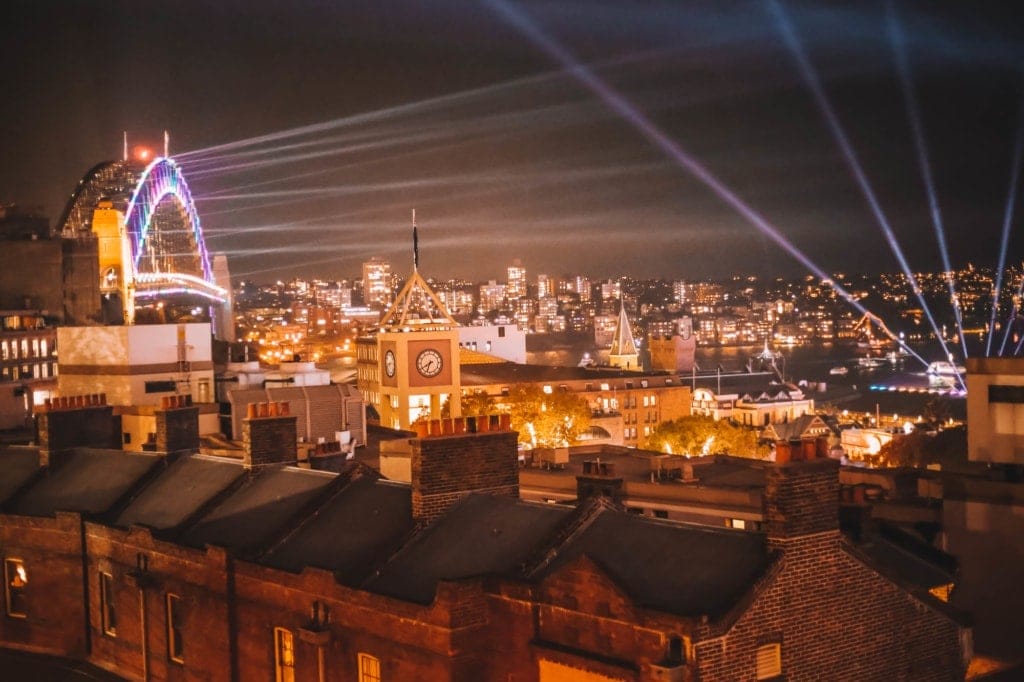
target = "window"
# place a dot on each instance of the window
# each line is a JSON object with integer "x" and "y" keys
{"x": 175, "y": 639}
{"x": 108, "y": 612}
{"x": 160, "y": 386}
{"x": 769, "y": 661}
{"x": 284, "y": 655}
{"x": 501, "y": 332}
{"x": 369, "y": 668}
{"x": 16, "y": 578}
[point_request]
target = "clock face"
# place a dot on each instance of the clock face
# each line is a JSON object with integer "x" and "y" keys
{"x": 429, "y": 363}
{"x": 389, "y": 364}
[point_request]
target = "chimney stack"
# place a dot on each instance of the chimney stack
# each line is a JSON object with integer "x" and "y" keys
{"x": 801, "y": 496}
{"x": 80, "y": 421}
{"x": 599, "y": 480}
{"x": 177, "y": 425}
{"x": 447, "y": 467}
{"x": 269, "y": 435}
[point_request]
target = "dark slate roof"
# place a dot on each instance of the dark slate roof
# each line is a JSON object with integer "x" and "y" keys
{"x": 180, "y": 492}
{"x": 683, "y": 569}
{"x": 726, "y": 472}
{"x": 910, "y": 560}
{"x": 352, "y": 533}
{"x": 260, "y": 510}
{"x": 482, "y": 535}
{"x": 87, "y": 481}
{"x": 17, "y": 466}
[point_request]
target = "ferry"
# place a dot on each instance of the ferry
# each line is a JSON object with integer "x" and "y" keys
{"x": 839, "y": 370}
{"x": 870, "y": 362}
{"x": 945, "y": 369}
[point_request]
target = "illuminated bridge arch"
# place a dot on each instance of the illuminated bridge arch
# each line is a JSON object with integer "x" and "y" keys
{"x": 174, "y": 239}
{"x": 164, "y": 249}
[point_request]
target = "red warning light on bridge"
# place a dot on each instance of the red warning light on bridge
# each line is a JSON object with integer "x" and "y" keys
{"x": 142, "y": 154}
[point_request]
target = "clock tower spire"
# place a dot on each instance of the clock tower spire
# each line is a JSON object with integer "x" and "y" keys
{"x": 411, "y": 367}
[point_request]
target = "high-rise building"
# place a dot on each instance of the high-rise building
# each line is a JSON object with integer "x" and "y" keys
{"x": 611, "y": 290}
{"x": 516, "y": 287}
{"x": 492, "y": 296}
{"x": 582, "y": 288}
{"x": 377, "y": 282}
{"x": 679, "y": 291}
{"x": 545, "y": 286}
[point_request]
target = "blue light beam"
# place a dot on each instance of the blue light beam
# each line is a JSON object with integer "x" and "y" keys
{"x": 1004, "y": 241}
{"x": 813, "y": 83}
{"x": 622, "y": 107}
{"x": 899, "y": 46}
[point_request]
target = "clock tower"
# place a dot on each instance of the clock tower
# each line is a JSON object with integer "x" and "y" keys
{"x": 411, "y": 368}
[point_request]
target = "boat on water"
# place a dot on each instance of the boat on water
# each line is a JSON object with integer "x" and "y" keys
{"x": 839, "y": 370}
{"x": 870, "y": 362}
{"x": 945, "y": 369}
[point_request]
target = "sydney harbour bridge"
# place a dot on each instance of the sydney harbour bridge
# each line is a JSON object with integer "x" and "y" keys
{"x": 153, "y": 262}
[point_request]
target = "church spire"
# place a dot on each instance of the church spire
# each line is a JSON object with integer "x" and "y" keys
{"x": 623, "y": 352}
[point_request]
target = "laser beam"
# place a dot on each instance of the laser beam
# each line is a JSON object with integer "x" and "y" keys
{"x": 813, "y": 83}
{"x": 899, "y": 45}
{"x": 1004, "y": 241}
{"x": 624, "y": 108}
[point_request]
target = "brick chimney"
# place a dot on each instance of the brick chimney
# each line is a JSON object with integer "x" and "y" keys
{"x": 177, "y": 425}
{"x": 78, "y": 421}
{"x": 447, "y": 467}
{"x": 269, "y": 435}
{"x": 801, "y": 497}
{"x": 599, "y": 479}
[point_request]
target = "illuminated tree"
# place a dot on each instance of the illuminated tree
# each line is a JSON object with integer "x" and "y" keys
{"x": 546, "y": 420}
{"x": 697, "y": 435}
{"x": 475, "y": 403}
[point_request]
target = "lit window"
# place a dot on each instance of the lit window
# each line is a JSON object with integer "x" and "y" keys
{"x": 16, "y": 578}
{"x": 175, "y": 639}
{"x": 547, "y": 389}
{"x": 369, "y": 668}
{"x": 108, "y": 612}
{"x": 284, "y": 655}
{"x": 769, "y": 661}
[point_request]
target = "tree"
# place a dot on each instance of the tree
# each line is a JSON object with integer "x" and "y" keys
{"x": 475, "y": 403}
{"x": 697, "y": 435}
{"x": 546, "y": 420}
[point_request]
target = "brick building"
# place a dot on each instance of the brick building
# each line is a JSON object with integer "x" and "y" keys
{"x": 176, "y": 566}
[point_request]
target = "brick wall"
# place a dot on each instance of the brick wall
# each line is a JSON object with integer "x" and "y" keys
{"x": 51, "y": 552}
{"x": 579, "y": 618}
{"x": 199, "y": 578}
{"x": 834, "y": 615}
{"x": 824, "y": 605}
{"x": 447, "y": 468}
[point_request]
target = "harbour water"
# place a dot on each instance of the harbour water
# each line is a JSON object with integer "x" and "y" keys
{"x": 891, "y": 387}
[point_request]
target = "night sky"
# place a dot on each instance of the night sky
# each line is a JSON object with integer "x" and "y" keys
{"x": 308, "y": 130}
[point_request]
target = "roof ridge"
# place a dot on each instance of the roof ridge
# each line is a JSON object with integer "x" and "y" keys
{"x": 585, "y": 515}
{"x": 344, "y": 482}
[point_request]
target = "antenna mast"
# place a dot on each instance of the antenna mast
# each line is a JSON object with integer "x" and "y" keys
{"x": 415, "y": 244}
{"x": 167, "y": 145}
{"x": 125, "y": 158}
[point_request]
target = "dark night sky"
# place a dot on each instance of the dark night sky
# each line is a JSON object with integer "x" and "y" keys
{"x": 376, "y": 107}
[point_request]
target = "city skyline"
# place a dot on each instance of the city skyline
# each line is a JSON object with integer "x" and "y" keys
{"x": 368, "y": 111}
